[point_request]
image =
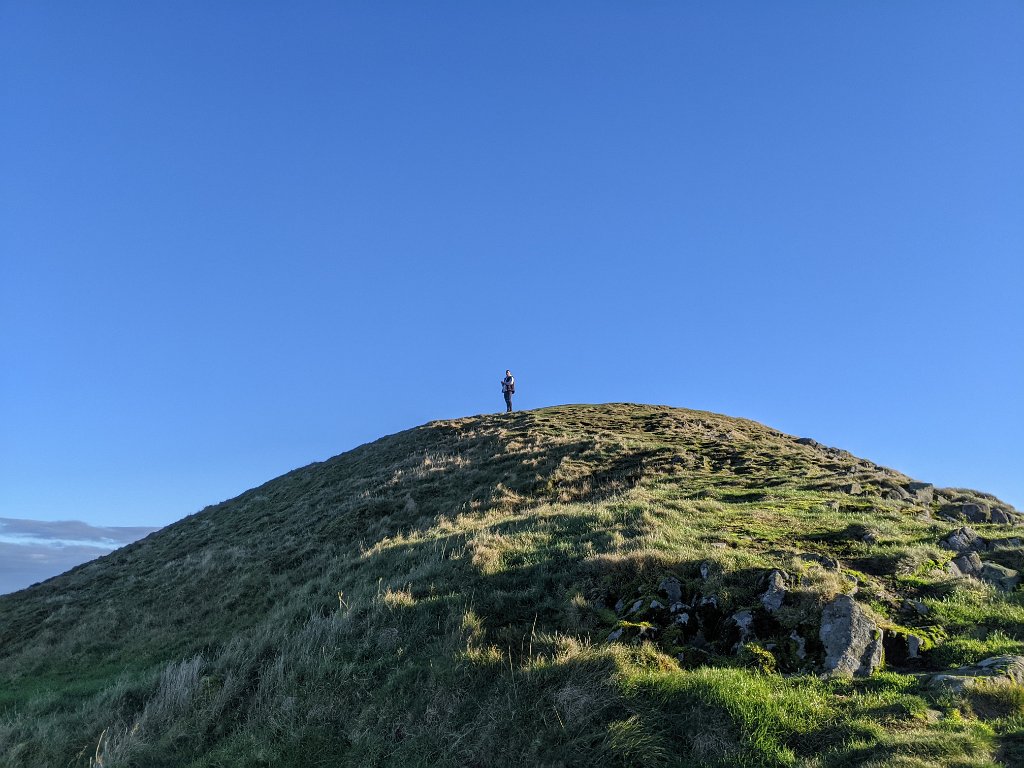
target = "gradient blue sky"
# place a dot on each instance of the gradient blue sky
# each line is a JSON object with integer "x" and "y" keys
{"x": 238, "y": 237}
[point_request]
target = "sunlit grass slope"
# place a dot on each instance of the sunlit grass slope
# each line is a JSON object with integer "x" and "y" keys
{"x": 444, "y": 597}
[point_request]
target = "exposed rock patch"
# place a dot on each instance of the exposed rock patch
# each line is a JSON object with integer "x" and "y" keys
{"x": 1000, "y": 669}
{"x": 1000, "y": 576}
{"x": 923, "y": 493}
{"x": 963, "y": 540}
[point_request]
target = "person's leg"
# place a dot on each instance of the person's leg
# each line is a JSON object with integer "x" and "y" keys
{"x": 508, "y": 402}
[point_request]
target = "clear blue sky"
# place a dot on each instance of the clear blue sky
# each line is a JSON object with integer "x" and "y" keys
{"x": 238, "y": 237}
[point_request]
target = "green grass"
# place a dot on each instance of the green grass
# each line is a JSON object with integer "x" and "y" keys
{"x": 441, "y": 597}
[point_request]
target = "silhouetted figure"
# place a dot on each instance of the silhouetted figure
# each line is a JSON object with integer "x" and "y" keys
{"x": 508, "y": 388}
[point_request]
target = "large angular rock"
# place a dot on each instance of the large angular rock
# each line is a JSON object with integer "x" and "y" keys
{"x": 1003, "y": 517}
{"x": 963, "y": 540}
{"x": 967, "y": 564}
{"x": 923, "y": 493}
{"x": 897, "y": 494}
{"x": 975, "y": 513}
{"x": 1000, "y": 576}
{"x": 852, "y": 640}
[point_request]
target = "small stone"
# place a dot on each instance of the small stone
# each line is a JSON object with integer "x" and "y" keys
{"x": 683, "y": 618}
{"x": 800, "y": 645}
{"x": 914, "y": 644}
{"x": 719, "y": 545}
{"x": 655, "y": 605}
{"x": 705, "y": 570}
{"x": 677, "y": 607}
{"x": 744, "y": 621}
{"x": 636, "y": 606}
{"x": 647, "y": 633}
{"x": 672, "y": 588}
{"x": 826, "y": 562}
{"x": 918, "y": 607}
{"x": 615, "y": 635}
{"x": 619, "y": 605}
{"x": 775, "y": 595}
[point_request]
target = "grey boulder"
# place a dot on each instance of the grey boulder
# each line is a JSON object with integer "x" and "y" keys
{"x": 967, "y": 564}
{"x": 852, "y": 640}
{"x": 997, "y": 669}
{"x": 1000, "y": 576}
{"x": 921, "y": 492}
{"x": 962, "y": 540}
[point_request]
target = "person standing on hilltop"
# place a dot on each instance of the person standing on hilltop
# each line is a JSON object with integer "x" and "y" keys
{"x": 508, "y": 388}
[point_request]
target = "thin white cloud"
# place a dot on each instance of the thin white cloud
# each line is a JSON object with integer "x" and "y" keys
{"x": 42, "y": 541}
{"x": 36, "y": 550}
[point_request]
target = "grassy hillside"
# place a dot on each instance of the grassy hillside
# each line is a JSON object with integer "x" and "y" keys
{"x": 508, "y": 590}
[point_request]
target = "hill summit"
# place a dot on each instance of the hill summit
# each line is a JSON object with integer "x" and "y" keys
{"x": 580, "y": 585}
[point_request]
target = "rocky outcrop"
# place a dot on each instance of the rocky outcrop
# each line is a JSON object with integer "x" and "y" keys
{"x": 923, "y": 493}
{"x": 970, "y": 564}
{"x": 963, "y": 540}
{"x": 967, "y": 564}
{"x": 852, "y": 640}
{"x": 980, "y": 511}
{"x": 1000, "y": 576}
{"x": 997, "y": 669}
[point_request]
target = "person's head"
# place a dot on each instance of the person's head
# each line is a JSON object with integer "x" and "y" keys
{"x": 508, "y": 373}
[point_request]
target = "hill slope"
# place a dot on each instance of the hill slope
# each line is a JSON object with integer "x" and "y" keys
{"x": 620, "y": 583}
